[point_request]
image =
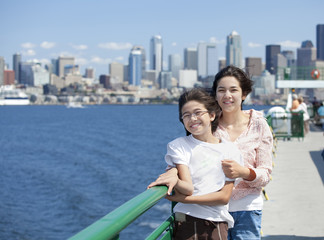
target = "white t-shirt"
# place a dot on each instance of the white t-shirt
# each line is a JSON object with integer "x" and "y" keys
{"x": 204, "y": 162}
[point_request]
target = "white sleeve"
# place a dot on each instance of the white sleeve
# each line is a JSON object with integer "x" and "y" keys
{"x": 176, "y": 154}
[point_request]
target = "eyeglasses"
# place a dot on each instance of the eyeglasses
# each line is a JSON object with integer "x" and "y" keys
{"x": 188, "y": 116}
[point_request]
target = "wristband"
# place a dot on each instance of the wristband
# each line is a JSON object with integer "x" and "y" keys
{"x": 252, "y": 175}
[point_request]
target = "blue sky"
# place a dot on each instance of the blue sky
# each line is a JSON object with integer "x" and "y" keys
{"x": 97, "y": 32}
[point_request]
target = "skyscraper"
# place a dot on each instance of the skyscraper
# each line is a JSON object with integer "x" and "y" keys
{"x": 15, "y": 65}
{"x": 142, "y": 50}
{"x": 62, "y": 62}
{"x": 271, "y": 53}
{"x": 306, "y": 54}
{"x": 175, "y": 65}
{"x": 234, "y": 50}
{"x": 190, "y": 58}
{"x": 320, "y": 41}
{"x": 135, "y": 68}
{"x": 2, "y": 68}
{"x": 253, "y": 66}
{"x": 207, "y": 59}
{"x": 156, "y": 53}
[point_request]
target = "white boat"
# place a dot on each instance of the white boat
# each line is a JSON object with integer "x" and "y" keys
{"x": 74, "y": 105}
{"x": 9, "y": 95}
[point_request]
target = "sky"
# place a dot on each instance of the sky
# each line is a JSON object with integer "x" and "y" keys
{"x": 98, "y": 32}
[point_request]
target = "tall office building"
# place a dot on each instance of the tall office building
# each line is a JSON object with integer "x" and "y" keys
{"x": 9, "y": 77}
{"x": 175, "y": 65}
{"x": 234, "y": 50}
{"x": 156, "y": 53}
{"x": 165, "y": 80}
{"x": 142, "y": 50}
{"x": 135, "y": 68}
{"x": 62, "y": 63}
{"x": 320, "y": 41}
{"x": 32, "y": 74}
{"x": 290, "y": 56}
{"x": 2, "y": 68}
{"x": 271, "y": 53}
{"x": 221, "y": 64}
{"x": 190, "y": 58}
{"x": 15, "y": 65}
{"x": 207, "y": 59}
{"x": 116, "y": 71}
{"x": 306, "y": 55}
{"x": 253, "y": 66}
{"x": 89, "y": 72}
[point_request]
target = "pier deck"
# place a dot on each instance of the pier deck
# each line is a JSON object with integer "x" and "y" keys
{"x": 295, "y": 209}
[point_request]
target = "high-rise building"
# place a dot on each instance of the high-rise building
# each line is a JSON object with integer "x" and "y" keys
{"x": 207, "y": 59}
{"x": 320, "y": 41}
{"x": 306, "y": 54}
{"x": 290, "y": 56}
{"x": 62, "y": 62}
{"x": 15, "y": 65}
{"x": 2, "y": 68}
{"x": 271, "y": 53}
{"x": 187, "y": 78}
{"x": 156, "y": 53}
{"x": 234, "y": 50}
{"x": 221, "y": 64}
{"x": 32, "y": 74}
{"x": 175, "y": 65}
{"x": 142, "y": 50}
{"x": 9, "y": 77}
{"x": 116, "y": 71}
{"x": 165, "y": 80}
{"x": 105, "y": 81}
{"x": 190, "y": 58}
{"x": 135, "y": 68}
{"x": 253, "y": 66}
{"x": 89, "y": 72}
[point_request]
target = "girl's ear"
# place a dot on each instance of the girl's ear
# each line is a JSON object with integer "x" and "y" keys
{"x": 212, "y": 116}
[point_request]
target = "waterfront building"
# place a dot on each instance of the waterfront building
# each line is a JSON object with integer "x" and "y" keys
{"x": 165, "y": 80}
{"x": 89, "y": 73}
{"x": 271, "y": 53}
{"x": 234, "y": 50}
{"x": 175, "y": 65}
{"x": 156, "y": 53}
{"x": 62, "y": 62}
{"x": 320, "y": 41}
{"x": 15, "y": 65}
{"x": 190, "y": 58}
{"x": 33, "y": 74}
{"x": 221, "y": 63}
{"x": 187, "y": 78}
{"x": 253, "y": 66}
{"x": 280, "y": 62}
{"x": 2, "y": 68}
{"x": 306, "y": 54}
{"x": 207, "y": 59}
{"x": 8, "y": 77}
{"x": 264, "y": 85}
{"x": 142, "y": 50}
{"x": 105, "y": 81}
{"x": 135, "y": 68}
{"x": 116, "y": 71}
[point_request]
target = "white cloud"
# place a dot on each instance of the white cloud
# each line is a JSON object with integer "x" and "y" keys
{"x": 120, "y": 58}
{"x": 100, "y": 60}
{"x": 115, "y": 46}
{"x": 215, "y": 40}
{"x": 47, "y": 45}
{"x": 290, "y": 44}
{"x": 80, "y": 47}
{"x": 29, "y": 52}
{"x": 28, "y": 45}
{"x": 173, "y": 44}
{"x": 81, "y": 61}
{"x": 254, "y": 45}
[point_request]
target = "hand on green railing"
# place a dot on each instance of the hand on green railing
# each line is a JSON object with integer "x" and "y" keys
{"x": 169, "y": 179}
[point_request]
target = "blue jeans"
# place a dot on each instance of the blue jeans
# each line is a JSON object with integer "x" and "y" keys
{"x": 247, "y": 225}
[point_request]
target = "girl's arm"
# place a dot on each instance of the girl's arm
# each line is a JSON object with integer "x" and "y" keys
{"x": 169, "y": 178}
{"x": 221, "y": 197}
{"x": 184, "y": 183}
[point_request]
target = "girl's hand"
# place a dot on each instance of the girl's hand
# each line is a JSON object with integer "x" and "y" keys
{"x": 169, "y": 178}
{"x": 234, "y": 170}
{"x": 177, "y": 197}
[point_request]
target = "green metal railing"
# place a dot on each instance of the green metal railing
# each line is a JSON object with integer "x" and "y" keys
{"x": 113, "y": 223}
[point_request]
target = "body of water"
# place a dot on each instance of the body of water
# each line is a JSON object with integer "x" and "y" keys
{"x": 62, "y": 169}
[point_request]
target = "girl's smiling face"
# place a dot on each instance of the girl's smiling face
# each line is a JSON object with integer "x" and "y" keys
{"x": 197, "y": 120}
{"x": 229, "y": 94}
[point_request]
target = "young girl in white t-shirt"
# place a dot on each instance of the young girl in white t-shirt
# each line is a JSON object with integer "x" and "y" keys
{"x": 202, "y": 190}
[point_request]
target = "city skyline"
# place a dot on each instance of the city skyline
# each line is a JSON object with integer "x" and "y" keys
{"x": 97, "y": 33}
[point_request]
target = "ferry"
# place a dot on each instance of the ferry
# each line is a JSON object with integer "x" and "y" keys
{"x": 9, "y": 95}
